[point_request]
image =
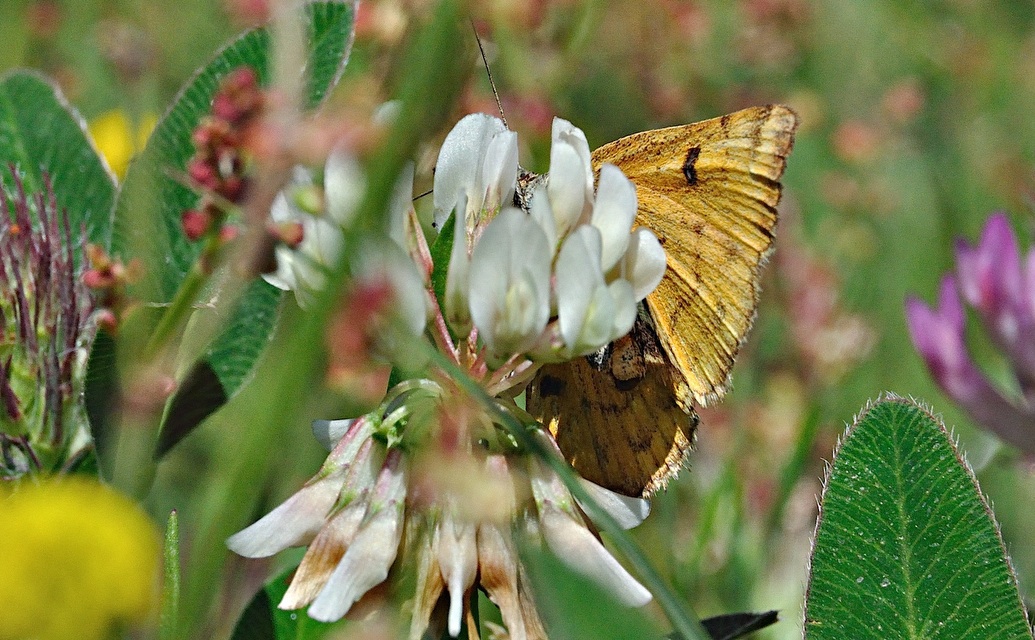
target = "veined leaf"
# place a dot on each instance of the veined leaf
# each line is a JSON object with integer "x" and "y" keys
{"x": 147, "y": 214}
{"x": 40, "y": 133}
{"x": 906, "y": 545}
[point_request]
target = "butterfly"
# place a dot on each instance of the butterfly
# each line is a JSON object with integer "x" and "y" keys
{"x": 624, "y": 417}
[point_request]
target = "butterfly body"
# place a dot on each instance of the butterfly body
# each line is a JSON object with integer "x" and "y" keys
{"x": 624, "y": 417}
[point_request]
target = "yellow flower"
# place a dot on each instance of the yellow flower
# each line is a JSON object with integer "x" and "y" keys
{"x": 114, "y": 137}
{"x": 78, "y": 561}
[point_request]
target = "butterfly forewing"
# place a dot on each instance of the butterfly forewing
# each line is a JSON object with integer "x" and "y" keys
{"x": 709, "y": 191}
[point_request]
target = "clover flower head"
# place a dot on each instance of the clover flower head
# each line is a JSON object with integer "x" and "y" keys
{"x": 368, "y": 498}
{"x": 320, "y": 217}
{"x": 992, "y": 278}
{"x": 559, "y": 280}
{"x": 432, "y": 480}
{"x": 46, "y": 314}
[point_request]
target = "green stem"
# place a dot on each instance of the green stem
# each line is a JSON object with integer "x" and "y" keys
{"x": 686, "y": 623}
{"x": 182, "y": 304}
{"x": 171, "y": 587}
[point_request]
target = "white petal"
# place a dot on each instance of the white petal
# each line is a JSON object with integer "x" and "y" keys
{"x": 510, "y": 282}
{"x": 284, "y": 277}
{"x": 499, "y": 169}
{"x": 629, "y": 512}
{"x": 293, "y": 523}
{"x": 458, "y": 169}
{"x": 623, "y": 309}
{"x": 573, "y": 544}
{"x": 565, "y": 186}
{"x": 458, "y": 562}
{"x": 566, "y": 132}
{"x": 644, "y": 262}
{"x": 322, "y": 242}
{"x": 329, "y": 432}
{"x": 539, "y": 209}
{"x": 402, "y": 202}
{"x": 577, "y": 278}
{"x": 386, "y": 113}
{"x": 598, "y": 328}
{"x": 613, "y": 213}
{"x": 280, "y": 211}
{"x": 343, "y": 185}
{"x": 370, "y": 556}
{"x": 364, "y": 566}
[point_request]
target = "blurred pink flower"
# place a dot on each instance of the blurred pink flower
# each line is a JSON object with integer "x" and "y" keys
{"x": 992, "y": 279}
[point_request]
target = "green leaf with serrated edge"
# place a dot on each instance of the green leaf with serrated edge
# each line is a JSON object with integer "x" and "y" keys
{"x": 153, "y": 184}
{"x": 225, "y": 367}
{"x": 594, "y": 613}
{"x": 40, "y": 133}
{"x": 906, "y": 546}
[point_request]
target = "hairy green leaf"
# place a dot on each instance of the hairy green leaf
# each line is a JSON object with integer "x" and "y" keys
{"x": 41, "y": 134}
{"x": 906, "y": 545}
{"x": 147, "y": 214}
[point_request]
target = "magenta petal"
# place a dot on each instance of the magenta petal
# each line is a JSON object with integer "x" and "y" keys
{"x": 938, "y": 333}
{"x": 1029, "y": 283}
{"x": 991, "y": 279}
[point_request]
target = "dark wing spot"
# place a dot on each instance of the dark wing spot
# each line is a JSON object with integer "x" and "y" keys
{"x": 551, "y": 386}
{"x": 688, "y": 166}
{"x": 627, "y": 385}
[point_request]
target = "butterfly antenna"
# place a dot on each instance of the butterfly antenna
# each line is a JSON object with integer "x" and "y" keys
{"x": 485, "y": 62}
{"x": 426, "y": 193}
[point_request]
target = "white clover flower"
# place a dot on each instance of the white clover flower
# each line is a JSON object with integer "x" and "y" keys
{"x": 302, "y": 269}
{"x": 479, "y": 161}
{"x": 569, "y": 300}
{"x": 378, "y": 258}
{"x": 603, "y": 268}
{"x": 510, "y": 283}
{"x": 356, "y": 512}
{"x": 522, "y": 287}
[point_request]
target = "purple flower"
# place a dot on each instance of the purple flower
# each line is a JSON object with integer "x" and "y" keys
{"x": 992, "y": 279}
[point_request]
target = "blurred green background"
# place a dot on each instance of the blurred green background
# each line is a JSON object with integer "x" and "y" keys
{"x": 916, "y": 124}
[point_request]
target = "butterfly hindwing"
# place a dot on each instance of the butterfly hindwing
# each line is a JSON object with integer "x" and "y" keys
{"x": 709, "y": 191}
{"x": 614, "y": 414}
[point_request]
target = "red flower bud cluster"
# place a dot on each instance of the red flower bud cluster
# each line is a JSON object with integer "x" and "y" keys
{"x": 219, "y": 166}
{"x": 107, "y": 277}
